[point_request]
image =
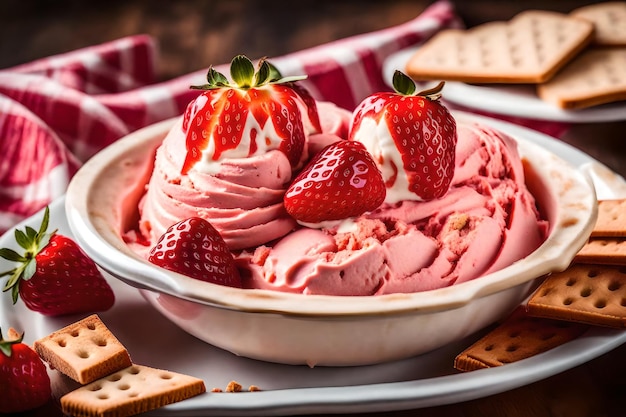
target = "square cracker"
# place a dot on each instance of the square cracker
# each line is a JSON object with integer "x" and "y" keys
{"x": 591, "y": 294}
{"x": 84, "y": 351}
{"x": 611, "y": 220}
{"x": 609, "y": 19}
{"x": 518, "y": 337}
{"x": 530, "y": 48}
{"x": 133, "y": 390}
{"x": 596, "y": 76}
{"x": 605, "y": 251}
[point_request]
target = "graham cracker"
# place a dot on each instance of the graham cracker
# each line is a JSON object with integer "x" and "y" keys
{"x": 591, "y": 294}
{"x": 518, "y": 337}
{"x": 84, "y": 351}
{"x": 529, "y": 48}
{"x": 133, "y": 390}
{"x": 611, "y": 220}
{"x": 609, "y": 19}
{"x": 605, "y": 251}
{"x": 595, "y": 77}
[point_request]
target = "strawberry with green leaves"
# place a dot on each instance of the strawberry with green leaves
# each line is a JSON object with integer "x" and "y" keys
{"x": 193, "y": 247}
{"x": 24, "y": 380}
{"x": 256, "y": 112}
{"x": 412, "y": 137}
{"x": 341, "y": 181}
{"x": 53, "y": 275}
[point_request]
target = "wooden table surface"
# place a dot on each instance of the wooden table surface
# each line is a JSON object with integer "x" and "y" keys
{"x": 195, "y": 34}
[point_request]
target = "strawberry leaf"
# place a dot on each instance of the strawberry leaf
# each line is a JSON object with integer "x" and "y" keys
{"x": 31, "y": 233}
{"x": 263, "y": 75}
{"x": 44, "y": 222}
{"x": 403, "y": 84}
{"x": 22, "y": 239}
{"x": 29, "y": 269}
{"x": 242, "y": 71}
{"x": 11, "y": 255}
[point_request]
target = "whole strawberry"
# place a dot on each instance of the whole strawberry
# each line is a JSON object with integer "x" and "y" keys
{"x": 259, "y": 111}
{"x": 412, "y": 136}
{"x": 341, "y": 181}
{"x": 24, "y": 380}
{"x": 193, "y": 247}
{"x": 53, "y": 275}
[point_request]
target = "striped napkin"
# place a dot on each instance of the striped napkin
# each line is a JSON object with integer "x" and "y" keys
{"x": 57, "y": 112}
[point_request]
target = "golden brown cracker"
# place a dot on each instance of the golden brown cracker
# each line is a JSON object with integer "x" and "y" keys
{"x": 591, "y": 294}
{"x": 596, "y": 76}
{"x": 609, "y": 19}
{"x": 518, "y": 337}
{"x": 530, "y": 48}
{"x": 84, "y": 351}
{"x": 133, "y": 390}
{"x": 605, "y": 251}
{"x": 611, "y": 221}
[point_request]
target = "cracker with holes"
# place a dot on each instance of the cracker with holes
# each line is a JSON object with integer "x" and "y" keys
{"x": 133, "y": 390}
{"x": 518, "y": 337}
{"x": 530, "y": 48}
{"x": 595, "y": 77}
{"x": 605, "y": 251}
{"x": 591, "y": 294}
{"x": 84, "y": 351}
{"x": 609, "y": 19}
{"x": 611, "y": 221}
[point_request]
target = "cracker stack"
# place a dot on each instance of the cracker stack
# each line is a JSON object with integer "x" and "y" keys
{"x": 590, "y": 292}
{"x": 576, "y": 60}
{"x": 89, "y": 353}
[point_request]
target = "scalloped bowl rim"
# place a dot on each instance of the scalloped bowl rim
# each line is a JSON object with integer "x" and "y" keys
{"x": 94, "y": 233}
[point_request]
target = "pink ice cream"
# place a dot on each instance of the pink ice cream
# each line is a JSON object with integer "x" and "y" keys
{"x": 486, "y": 221}
{"x": 243, "y": 201}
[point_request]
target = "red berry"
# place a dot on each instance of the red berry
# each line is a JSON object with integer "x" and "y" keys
{"x": 24, "y": 380}
{"x": 341, "y": 181}
{"x": 423, "y": 131}
{"x": 54, "y": 276}
{"x": 218, "y": 117}
{"x": 193, "y": 247}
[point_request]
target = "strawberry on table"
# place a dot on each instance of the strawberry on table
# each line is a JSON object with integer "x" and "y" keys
{"x": 24, "y": 380}
{"x": 341, "y": 181}
{"x": 412, "y": 137}
{"x": 256, "y": 112}
{"x": 54, "y": 276}
{"x": 193, "y": 247}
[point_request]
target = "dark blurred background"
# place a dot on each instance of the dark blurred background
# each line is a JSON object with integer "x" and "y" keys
{"x": 194, "y": 34}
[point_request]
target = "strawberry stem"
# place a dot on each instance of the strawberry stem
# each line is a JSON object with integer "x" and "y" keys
{"x": 403, "y": 84}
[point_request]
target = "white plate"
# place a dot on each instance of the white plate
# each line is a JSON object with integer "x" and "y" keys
{"x": 509, "y": 100}
{"x": 424, "y": 381}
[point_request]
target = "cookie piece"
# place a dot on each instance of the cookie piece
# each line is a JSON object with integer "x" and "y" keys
{"x": 133, "y": 390}
{"x": 530, "y": 48}
{"x": 595, "y": 77}
{"x": 609, "y": 19}
{"x": 518, "y": 337}
{"x": 611, "y": 220}
{"x": 84, "y": 351}
{"x": 591, "y": 294}
{"x": 605, "y": 251}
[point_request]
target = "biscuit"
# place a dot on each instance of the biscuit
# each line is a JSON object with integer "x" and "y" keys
{"x": 518, "y": 337}
{"x": 595, "y": 77}
{"x": 530, "y": 48}
{"x": 609, "y": 19}
{"x": 591, "y": 294}
{"x": 133, "y": 390}
{"x": 605, "y": 251}
{"x": 611, "y": 221}
{"x": 84, "y": 351}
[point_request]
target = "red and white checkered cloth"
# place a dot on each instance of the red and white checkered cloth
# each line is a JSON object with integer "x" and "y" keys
{"x": 57, "y": 112}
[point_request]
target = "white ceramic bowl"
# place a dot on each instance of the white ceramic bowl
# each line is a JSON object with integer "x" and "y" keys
{"x": 320, "y": 330}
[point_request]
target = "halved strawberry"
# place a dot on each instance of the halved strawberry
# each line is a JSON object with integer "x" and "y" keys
{"x": 24, "y": 380}
{"x": 341, "y": 181}
{"x": 54, "y": 276}
{"x": 193, "y": 247}
{"x": 259, "y": 111}
{"x": 423, "y": 139}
